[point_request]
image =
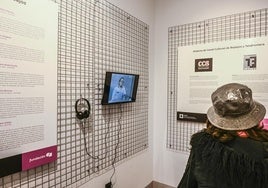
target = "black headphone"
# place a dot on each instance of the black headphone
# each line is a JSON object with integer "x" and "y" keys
{"x": 84, "y": 108}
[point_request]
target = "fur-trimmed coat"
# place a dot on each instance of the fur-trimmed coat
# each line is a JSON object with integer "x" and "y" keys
{"x": 240, "y": 163}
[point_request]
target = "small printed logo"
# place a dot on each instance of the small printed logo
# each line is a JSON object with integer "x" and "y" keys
{"x": 203, "y": 65}
{"x": 250, "y": 62}
{"x": 49, "y": 154}
{"x": 181, "y": 116}
{"x": 37, "y": 158}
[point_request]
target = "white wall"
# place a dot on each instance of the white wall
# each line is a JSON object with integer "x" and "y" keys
{"x": 136, "y": 172}
{"x": 169, "y": 166}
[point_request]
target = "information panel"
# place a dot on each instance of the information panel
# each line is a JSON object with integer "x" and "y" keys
{"x": 202, "y": 68}
{"x": 28, "y": 84}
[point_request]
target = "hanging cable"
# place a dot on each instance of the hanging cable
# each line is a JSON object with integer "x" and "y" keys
{"x": 118, "y": 142}
{"x": 105, "y": 140}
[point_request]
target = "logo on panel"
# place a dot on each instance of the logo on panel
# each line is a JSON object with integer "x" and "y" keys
{"x": 203, "y": 65}
{"x": 250, "y": 62}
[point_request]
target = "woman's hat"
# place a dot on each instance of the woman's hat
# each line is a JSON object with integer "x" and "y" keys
{"x": 234, "y": 109}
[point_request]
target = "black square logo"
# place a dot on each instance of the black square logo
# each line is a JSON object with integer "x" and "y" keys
{"x": 250, "y": 62}
{"x": 203, "y": 65}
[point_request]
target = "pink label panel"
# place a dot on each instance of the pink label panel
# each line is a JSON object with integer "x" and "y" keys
{"x": 39, "y": 157}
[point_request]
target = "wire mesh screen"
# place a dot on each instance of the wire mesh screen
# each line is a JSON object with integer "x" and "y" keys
{"x": 94, "y": 37}
{"x": 238, "y": 26}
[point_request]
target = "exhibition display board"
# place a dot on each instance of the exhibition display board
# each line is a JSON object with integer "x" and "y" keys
{"x": 28, "y": 84}
{"x": 206, "y": 54}
{"x": 204, "y": 67}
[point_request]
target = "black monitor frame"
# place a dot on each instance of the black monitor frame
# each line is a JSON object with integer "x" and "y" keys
{"x": 108, "y": 88}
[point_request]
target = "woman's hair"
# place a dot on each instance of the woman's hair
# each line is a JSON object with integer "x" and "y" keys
{"x": 255, "y": 133}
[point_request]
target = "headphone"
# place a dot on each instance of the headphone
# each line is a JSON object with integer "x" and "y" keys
{"x": 82, "y": 109}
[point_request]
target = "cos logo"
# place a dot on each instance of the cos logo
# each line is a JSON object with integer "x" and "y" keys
{"x": 203, "y": 65}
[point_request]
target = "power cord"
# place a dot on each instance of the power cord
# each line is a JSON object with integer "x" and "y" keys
{"x": 105, "y": 141}
{"x": 117, "y": 144}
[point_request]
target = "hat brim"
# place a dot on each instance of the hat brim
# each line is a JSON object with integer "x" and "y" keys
{"x": 242, "y": 122}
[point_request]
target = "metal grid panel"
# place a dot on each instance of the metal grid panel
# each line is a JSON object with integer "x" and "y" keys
{"x": 121, "y": 45}
{"x": 94, "y": 37}
{"x": 238, "y": 26}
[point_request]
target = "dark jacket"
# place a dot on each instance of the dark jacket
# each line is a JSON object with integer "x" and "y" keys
{"x": 240, "y": 163}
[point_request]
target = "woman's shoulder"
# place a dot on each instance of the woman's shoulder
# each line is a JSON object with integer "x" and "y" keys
{"x": 202, "y": 137}
{"x": 257, "y": 150}
{"x": 228, "y": 162}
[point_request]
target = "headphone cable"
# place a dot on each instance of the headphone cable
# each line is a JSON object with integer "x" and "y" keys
{"x": 105, "y": 141}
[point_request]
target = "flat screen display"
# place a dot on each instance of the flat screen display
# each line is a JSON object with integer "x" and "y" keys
{"x": 120, "y": 88}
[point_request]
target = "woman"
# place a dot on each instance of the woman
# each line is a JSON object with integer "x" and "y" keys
{"x": 119, "y": 92}
{"x": 232, "y": 152}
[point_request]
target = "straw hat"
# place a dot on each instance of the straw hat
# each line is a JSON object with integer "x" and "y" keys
{"x": 234, "y": 109}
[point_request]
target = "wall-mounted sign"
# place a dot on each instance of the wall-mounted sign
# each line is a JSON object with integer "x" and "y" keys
{"x": 28, "y": 84}
{"x": 202, "y": 68}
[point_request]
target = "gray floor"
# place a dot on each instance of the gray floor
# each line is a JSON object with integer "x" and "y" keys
{"x": 155, "y": 184}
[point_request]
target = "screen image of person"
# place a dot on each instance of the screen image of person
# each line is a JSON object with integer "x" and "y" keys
{"x": 121, "y": 88}
{"x": 119, "y": 92}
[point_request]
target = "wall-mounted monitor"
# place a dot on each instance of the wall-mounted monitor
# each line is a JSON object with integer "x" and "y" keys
{"x": 120, "y": 88}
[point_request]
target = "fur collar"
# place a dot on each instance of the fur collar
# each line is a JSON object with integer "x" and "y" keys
{"x": 226, "y": 165}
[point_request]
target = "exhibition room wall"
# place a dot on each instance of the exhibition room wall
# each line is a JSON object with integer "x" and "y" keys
{"x": 156, "y": 162}
{"x": 136, "y": 172}
{"x": 169, "y": 165}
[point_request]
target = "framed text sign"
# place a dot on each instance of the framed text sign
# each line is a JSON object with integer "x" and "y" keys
{"x": 28, "y": 84}
{"x": 202, "y": 68}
